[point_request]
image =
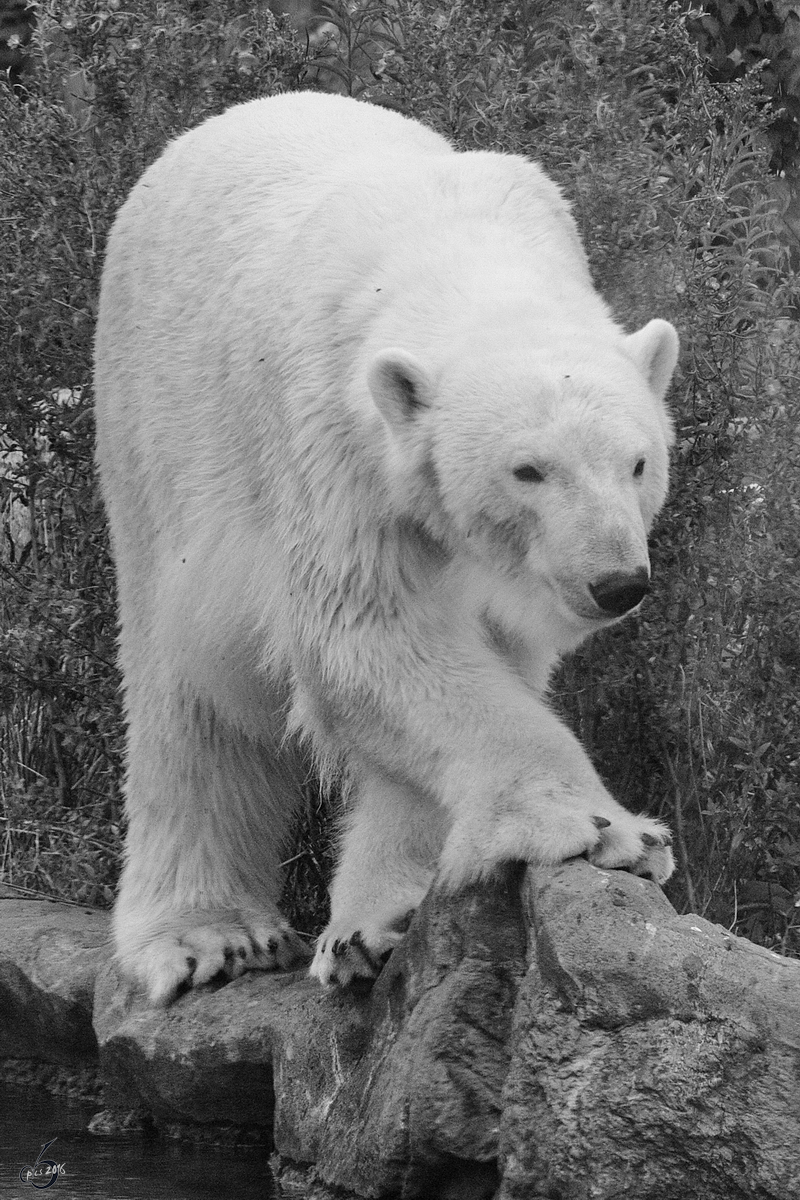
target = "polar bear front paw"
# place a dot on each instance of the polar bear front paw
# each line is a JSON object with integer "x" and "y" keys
{"x": 638, "y": 844}
{"x": 189, "y": 950}
{"x": 354, "y": 958}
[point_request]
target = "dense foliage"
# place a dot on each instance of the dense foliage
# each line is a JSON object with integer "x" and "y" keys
{"x": 691, "y": 710}
{"x": 738, "y": 36}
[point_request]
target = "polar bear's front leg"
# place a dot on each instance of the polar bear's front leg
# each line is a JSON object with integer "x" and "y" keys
{"x": 390, "y": 847}
{"x": 538, "y": 799}
{"x": 209, "y": 808}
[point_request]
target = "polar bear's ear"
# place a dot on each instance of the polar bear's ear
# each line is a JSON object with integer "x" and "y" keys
{"x": 400, "y": 387}
{"x": 654, "y": 350}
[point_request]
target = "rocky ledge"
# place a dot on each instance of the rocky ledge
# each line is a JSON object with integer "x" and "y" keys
{"x": 562, "y": 1034}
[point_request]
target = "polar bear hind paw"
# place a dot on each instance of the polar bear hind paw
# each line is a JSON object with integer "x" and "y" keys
{"x": 195, "y": 953}
{"x": 637, "y": 844}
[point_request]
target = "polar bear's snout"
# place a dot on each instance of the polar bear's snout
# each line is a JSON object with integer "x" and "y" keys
{"x": 621, "y": 591}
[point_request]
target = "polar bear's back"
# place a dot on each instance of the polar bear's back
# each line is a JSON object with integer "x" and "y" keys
{"x": 267, "y": 254}
{"x": 277, "y": 151}
{"x": 311, "y": 126}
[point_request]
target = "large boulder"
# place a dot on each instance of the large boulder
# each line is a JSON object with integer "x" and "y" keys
{"x": 49, "y": 958}
{"x": 559, "y": 1033}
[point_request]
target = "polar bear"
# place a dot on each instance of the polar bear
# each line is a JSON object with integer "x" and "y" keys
{"x": 374, "y": 454}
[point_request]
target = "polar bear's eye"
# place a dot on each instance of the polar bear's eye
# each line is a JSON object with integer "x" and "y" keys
{"x": 638, "y": 469}
{"x": 528, "y": 473}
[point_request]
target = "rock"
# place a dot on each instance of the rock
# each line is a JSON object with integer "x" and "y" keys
{"x": 559, "y": 1033}
{"x": 656, "y": 1056}
{"x": 49, "y": 957}
{"x": 401, "y": 1093}
{"x": 207, "y": 1058}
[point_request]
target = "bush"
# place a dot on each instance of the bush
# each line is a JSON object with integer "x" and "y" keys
{"x": 738, "y": 36}
{"x": 691, "y": 708}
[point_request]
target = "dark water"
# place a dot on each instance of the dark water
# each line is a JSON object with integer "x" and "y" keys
{"x": 115, "y": 1168}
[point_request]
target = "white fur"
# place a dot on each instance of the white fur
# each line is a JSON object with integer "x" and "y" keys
{"x": 325, "y": 342}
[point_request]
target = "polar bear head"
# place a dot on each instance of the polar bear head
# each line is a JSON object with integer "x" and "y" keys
{"x": 548, "y": 464}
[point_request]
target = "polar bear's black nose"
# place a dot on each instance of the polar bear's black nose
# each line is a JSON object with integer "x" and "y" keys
{"x": 619, "y": 592}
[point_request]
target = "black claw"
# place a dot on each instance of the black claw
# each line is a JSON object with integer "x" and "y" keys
{"x": 272, "y": 945}
{"x": 650, "y": 839}
{"x": 241, "y": 952}
{"x": 600, "y": 822}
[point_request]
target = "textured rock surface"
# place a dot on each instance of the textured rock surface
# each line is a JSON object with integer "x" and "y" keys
{"x": 49, "y": 958}
{"x": 656, "y": 1056}
{"x": 206, "y": 1059}
{"x": 561, "y": 1034}
{"x": 403, "y": 1093}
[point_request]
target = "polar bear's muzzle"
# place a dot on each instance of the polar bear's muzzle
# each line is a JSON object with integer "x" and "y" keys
{"x": 619, "y": 592}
